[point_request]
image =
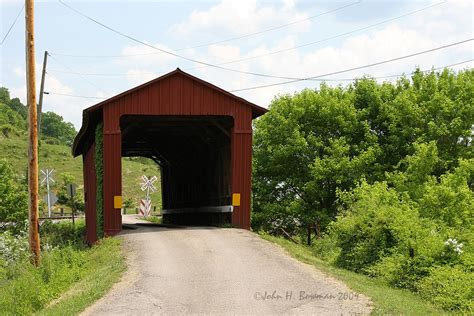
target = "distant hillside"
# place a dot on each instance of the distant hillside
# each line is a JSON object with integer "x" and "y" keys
{"x": 55, "y": 150}
{"x": 13, "y": 121}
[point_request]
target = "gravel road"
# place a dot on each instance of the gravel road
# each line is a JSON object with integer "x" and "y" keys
{"x": 205, "y": 270}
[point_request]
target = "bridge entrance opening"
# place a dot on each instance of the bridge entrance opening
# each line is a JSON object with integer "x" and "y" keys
{"x": 194, "y": 155}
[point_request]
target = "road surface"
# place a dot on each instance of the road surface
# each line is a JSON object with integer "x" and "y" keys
{"x": 205, "y": 270}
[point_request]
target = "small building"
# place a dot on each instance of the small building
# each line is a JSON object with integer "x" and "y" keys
{"x": 199, "y": 134}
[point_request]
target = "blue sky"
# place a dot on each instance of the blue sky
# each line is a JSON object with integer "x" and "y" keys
{"x": 173, "y": 25}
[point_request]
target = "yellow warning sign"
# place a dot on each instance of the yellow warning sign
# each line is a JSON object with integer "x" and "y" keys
{"x": 236, "y": 199}
{"x": 117, "y": 201}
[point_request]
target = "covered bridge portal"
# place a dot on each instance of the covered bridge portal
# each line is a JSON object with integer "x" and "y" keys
{"x": 199, "y": 134}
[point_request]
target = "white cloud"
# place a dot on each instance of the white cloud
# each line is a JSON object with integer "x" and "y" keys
{"x": 18, "y": 71}
{"x": 145, "y": 63}
{"x": 390, "y": 42}
{"x": 138, "y": 76}
{"x": 70, "y": 108}
{"x": 248, "y": 15}
{"x": 147, "y": 55}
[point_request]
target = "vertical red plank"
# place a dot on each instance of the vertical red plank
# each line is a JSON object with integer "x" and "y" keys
{"x": 241, "y": 161}
{"x": 112, "y": 170}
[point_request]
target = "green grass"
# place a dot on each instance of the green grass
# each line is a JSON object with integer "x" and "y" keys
{"x": 71, "y": 275}
{"x": 106, "y": 265}
{"x": 59, "y": 157}
{"x": 154, "y": 219}
{"x": 387, "y": 300}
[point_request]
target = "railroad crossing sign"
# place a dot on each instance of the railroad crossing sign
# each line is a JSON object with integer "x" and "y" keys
{"x": 47, "y": 178}
{"x": 147, "y": 186}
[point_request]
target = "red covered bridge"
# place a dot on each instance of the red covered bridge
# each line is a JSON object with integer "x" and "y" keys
{"x": 199, "y": 134}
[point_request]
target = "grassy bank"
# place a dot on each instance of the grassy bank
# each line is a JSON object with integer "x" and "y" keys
{"x": 70, "y": 278}
{"x": 387, "y": 300}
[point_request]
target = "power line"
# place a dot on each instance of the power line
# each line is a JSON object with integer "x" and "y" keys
{"x": 77, "y": 73}
{"x": 219, "y": 65}
{"x": 73, "y": 95}
{"x": 327, "y": 38}
{"x": 169, "y": 52}
{"x": 293, "y": 79}
{"x": 227, "y": 39}
{"x": 163, "y": 50}
{"x": 13, "y": 24}
{"x": 100, "y": 74}
{"x": 400, "y": 75}
{"x": 321, "y": 79}
{"x": 354, "y": 68}
{"x": 282, "y": 50}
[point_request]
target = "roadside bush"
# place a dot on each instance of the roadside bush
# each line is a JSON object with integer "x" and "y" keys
{"x": 63, "y": 234}
{"x": 376, "y": 225}
{"x": 449, "y": 287}
{"x": 13, "y": 249}
{"x": 326, "y": 248}
{"x": 13, "y": 200}
{"x": 380, "y": 233}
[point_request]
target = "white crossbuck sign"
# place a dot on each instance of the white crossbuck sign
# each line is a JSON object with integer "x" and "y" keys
{"x": 47, "y": 178}
{"x": 147, "y": 185}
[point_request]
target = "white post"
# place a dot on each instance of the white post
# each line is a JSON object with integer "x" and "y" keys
{"x": 47, "y": 178}
{"x": 49, "y": 197}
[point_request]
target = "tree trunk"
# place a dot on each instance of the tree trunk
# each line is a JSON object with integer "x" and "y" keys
{"x": 309, "y": 234}
{"x": 316, "y": 229}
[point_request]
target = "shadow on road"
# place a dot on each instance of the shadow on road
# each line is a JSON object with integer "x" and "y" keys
{"x": 138, "y": 228}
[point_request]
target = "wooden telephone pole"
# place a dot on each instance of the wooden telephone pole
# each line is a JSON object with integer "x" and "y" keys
{"x": 40, "y": 104}
{"x": 32, "y": 133}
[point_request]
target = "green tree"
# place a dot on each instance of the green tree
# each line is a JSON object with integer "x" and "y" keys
{"x": 8, "y": 117}
{"x": 53, "y": 125}
{"x": 4, "y": 95}
{"x": 308, "y": 146}
{"x": 13, "y": 199}
{"x": 64, "y": 198}
{"x": 317, "y": 142}
{"x": 16, "y": 105}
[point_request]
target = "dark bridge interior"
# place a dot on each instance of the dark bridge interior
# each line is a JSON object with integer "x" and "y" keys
{"x": 194, "y": 157}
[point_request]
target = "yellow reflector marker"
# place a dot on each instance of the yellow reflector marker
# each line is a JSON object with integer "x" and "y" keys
{"x": 236, "y": 199}
{"x": 118, "y": 201}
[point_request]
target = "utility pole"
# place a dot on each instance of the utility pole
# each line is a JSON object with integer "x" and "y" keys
{"x": 32, "y": 134}
{"x": 40, "y": 103}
